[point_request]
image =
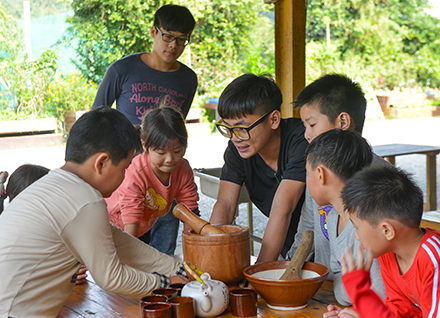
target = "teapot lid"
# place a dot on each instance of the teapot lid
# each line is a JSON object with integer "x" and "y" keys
{"x": 204, "y": 280}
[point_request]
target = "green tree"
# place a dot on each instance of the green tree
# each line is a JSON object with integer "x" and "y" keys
{"x": 390, "y": 43}
{"x": 22, "y": 83}
{"x": 38, "y": 8}
{"x": 108, "y": 30}
{"x": 11, "y": 36}
{"x": 220, "y": 45}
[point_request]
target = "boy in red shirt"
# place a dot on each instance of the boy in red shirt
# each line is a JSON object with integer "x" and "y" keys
{"x": 386, "y": 208}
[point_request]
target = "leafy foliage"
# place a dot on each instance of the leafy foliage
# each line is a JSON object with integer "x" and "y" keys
{"x": 11, "y": 36}
{"x": 38, "y": 7}
{"x": 69, "y": 92}
{"x": 22, "y": 82}
{"x": 391, "y": 43}
{"x": 220, "y": 45}
{"x": 108, "y": 30}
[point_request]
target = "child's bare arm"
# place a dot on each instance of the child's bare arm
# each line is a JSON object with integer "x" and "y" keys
{"x": 132, "y": 229}
{"x": 178, "y": 279}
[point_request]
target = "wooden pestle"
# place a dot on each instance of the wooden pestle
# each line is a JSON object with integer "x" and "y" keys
{"x": 199, "y": 225}
{"x": 293, "y": 270}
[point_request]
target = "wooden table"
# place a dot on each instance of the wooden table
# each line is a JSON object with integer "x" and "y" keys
{"x": 89, "y": 300}
{"x": 391, "y": 151}
{"x": 431, "y": 219}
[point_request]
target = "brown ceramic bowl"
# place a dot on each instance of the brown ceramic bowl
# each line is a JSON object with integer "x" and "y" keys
{"x": 285, "y": 294}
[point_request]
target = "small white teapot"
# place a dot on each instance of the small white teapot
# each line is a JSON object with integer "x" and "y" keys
{"x": 211, "y": 298}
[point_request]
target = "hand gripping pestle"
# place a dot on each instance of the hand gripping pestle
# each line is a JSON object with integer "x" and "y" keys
{"x": 199, "y": 225}
{"x": 293, "y": 270}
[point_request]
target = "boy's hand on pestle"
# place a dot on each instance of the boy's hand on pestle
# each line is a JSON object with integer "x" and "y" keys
{"x": 199, "y": 225}
{"x": 178, "y": 279}
{"x": 186, "y": 227}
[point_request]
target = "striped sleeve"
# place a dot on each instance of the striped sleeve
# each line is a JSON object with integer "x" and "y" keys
{"x": 430, "y": 279}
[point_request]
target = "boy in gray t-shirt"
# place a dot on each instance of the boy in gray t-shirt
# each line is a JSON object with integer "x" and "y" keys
{"x": 332, "y": 158}
{"x": 332, "y": 101}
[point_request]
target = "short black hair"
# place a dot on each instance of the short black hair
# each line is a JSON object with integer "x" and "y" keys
{"x": 161, "y": 126}
{"x": 334, "y": 94}
{"x": 102, "y": 129}
{"x": 23, "y": 177}
{"x": 250, "y": 94}
{"x": 384, "y": 192}
{"x": 173, "y": 17}
{"x": 344, "y": 152}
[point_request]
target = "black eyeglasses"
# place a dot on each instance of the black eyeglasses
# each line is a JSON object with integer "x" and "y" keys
{"x": 166, "y": 37}
{"x": 241, "y": 132}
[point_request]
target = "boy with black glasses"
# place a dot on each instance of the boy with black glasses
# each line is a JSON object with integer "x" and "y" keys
{"x": 266, "y": 153}
{"x": 141, "y": 81}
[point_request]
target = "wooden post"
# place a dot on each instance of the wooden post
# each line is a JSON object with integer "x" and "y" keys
{"x": 431, "y": 181}
{"x": 290, "y": 56}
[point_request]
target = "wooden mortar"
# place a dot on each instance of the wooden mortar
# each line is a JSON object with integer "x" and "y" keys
{"x": 222, "y": 256}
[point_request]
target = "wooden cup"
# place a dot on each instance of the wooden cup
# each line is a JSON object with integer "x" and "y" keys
{"x": 152, "y": 299}
{"x": 183, "y": 307}
{"x": 243, "y": 302}
{"x": 157, "y": 310}
{"x": 178, "y": 286}
{"x": 167, "y": 292}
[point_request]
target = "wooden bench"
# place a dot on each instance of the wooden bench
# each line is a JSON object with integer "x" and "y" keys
{"x": 27, "y": 133}
{"x": 194, "y": 115}
{"x": 16, "y": 127}
{"x": 392, "y": 150}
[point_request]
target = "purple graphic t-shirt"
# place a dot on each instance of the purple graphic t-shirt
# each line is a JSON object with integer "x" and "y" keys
{"x": 137, "y": 88}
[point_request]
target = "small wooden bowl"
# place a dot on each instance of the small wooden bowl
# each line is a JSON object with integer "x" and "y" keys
{"x": 167, "y": 292}
{"x": 285, "y": 294}
{"x": 178, "y": 287}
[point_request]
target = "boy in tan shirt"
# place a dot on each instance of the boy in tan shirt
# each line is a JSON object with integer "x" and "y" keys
{"x": 61, "y": 222}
